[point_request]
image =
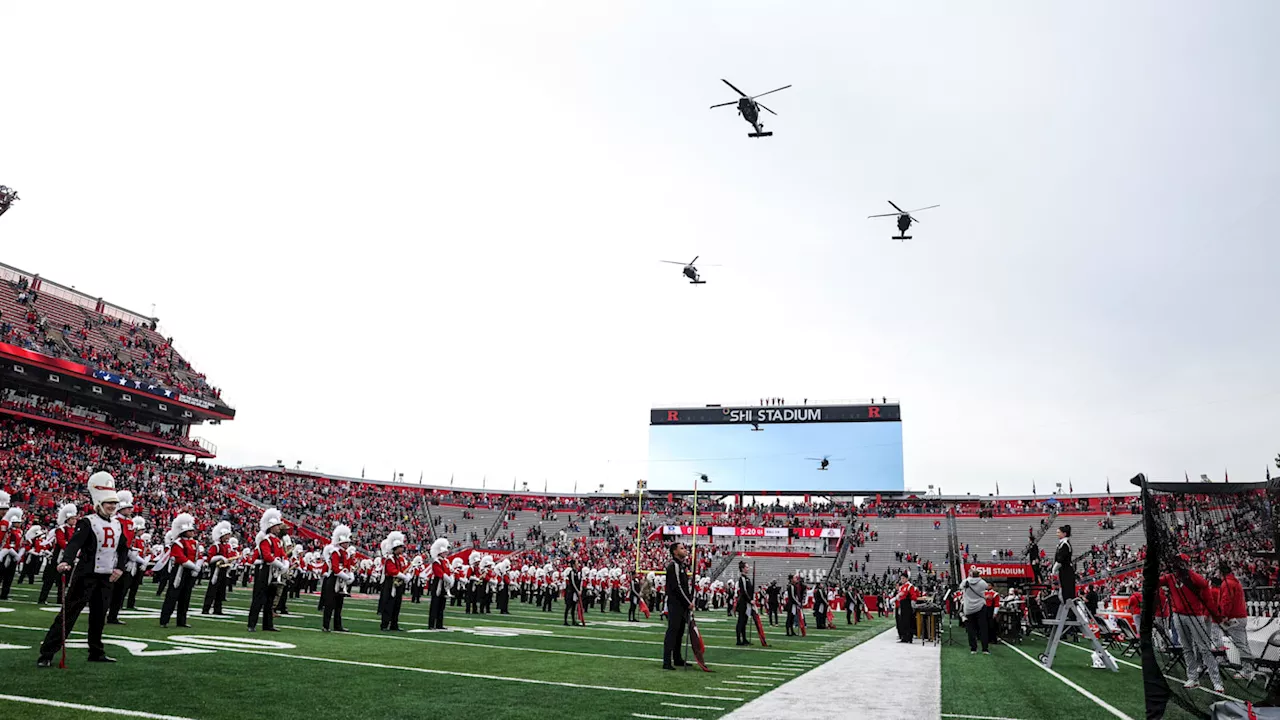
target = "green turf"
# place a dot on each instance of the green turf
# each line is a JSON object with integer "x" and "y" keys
{"x": 1005, "y": 684}
{"x": 603, "y": 670}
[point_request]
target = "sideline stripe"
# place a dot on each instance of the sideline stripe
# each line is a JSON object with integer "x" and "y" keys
{"x": 1097, "y": 700}
{"x": 725, "y": 689}
{"x": 757, "y": 684}
{"x": 693, "y": 707}
{"x": 976, "y": 717}
{"x": 426, "y": 671}
{"x": 89, "y": 708}
{"x": 660, "y": 717}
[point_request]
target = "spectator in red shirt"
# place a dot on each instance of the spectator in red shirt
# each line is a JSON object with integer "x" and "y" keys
{"x": 1232, "y": 610}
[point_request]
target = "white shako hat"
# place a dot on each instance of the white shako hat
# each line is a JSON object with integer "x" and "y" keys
{"x": 439, "y": 547}
{"x": 341, "y": 534}
{"x": 126, "y": 499}
{"x": 102, "y": 488}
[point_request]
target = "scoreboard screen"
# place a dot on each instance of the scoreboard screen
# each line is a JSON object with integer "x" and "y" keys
{"x": 757, "y": 449}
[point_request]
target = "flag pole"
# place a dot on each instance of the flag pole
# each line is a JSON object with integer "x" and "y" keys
{"x": 639, "y": 516}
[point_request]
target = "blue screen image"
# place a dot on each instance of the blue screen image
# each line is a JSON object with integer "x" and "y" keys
{"x": 862, "y": 456}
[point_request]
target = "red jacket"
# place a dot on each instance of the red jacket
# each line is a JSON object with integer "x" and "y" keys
{"x": 183, "y": 551}
{"x": 1231, "y": 599}
{"x": 1188, "y": 599}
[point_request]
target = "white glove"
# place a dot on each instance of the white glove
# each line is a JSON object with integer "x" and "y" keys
{"x": 191, "y": 566}
{"x": 403, "y": 576}
{"x": 217, "y": 559}
{"x": 347, "y": 576}
{"x": 281, "y": 565}
{"x": 134, "y": 556}
{"x": 199, "y": 565}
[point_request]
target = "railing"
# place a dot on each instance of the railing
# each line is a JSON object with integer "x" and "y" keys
{"x": 837, "y": 565}
{"x": 496, "y": 527}
{"x": 721, "y": 564}
{"x": 206, "y": 445}
{"x": 764, "y": 402}
{"x": 1034, "y": 543}
{"x": 431, "y": 521}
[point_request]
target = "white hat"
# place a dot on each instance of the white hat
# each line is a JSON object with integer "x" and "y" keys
{"x": 102, "y": 488}
{"x": 4, "y": 500}
{"x": 456, "y": 564}
{"x": 271, "y": 517}
{"x": 126, "y": 499}
{"x": 183, "y": 523}
{"x": 66, "y": 512}
{"x": 168, "y": 537}
{"x": 146, "y": 537}
{"x": 341, "y": 534}
{"x": 139, "y": 524}
{"x": 13, "y": 516}
{"x": 34, "y": 532}
{"x": 234, "y": 542}
{"x": 395, "y": 539}
{"x": 385, "y": 545}
{"x": 220, "y": 531}
{"x": 474, "y": 558}
{"x": 417, "y": 561}
{"x": 439, "y": 547}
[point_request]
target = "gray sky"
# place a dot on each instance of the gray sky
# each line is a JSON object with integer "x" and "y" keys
{"x": 424, "y": 236}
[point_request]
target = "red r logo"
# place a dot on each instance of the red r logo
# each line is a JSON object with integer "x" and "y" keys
{"x": 108, "y": 538}
{"x": 673, "y": 416}
{"x": 873, "y": 411}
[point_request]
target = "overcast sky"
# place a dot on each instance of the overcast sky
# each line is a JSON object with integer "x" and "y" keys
{"x": 425, "y": 236}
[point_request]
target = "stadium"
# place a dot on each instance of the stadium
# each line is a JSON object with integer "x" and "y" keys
{"x": 433, "y": 428}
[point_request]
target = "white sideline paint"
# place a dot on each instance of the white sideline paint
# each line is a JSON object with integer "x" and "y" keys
{"x": 89, "y": 708}
{"x": 425, "y": 671}
{"x": 660, "y": 717}
{"x": 856, "y": 679}
{"x": 693, "y": 707}
{"x": 976, "y": 717}
{"x": 1097, "y": 700}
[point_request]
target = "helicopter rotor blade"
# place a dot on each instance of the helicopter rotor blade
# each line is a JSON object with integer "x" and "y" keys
{"x": 784, "y": 87}
{"x": 695, "y": 259}
{"x": 762, "y": 105}
{"x": 884, "y": 215}
{"x": 926, "y": 208}
{"x": 895, "y": 207}
{"x": 726, "y": 82}
{"x": 913, "y": 219}
{"x": 673, "y": 262}
{"x": 713, "y": 107}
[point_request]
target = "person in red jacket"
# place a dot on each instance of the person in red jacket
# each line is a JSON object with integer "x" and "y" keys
{"x": 270, "y": 565}
{"x": 1188, "y": 594}
{"x": 438, "y": 586}
{"x": 992, "y": 600}
{"x": 186, "y": 560}
{"x": 337, "y": 577}
{"x": 1232, "y": 610}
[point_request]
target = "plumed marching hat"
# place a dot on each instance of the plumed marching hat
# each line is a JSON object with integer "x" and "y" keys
{"x": 438, "y": 548}
{"x": 182, "y": 523}
{"x": 271, "y": 517}
{"x": 102, "y": 488}
{"x": 385, "y": 546}
{"x": 13, "y": 516}
{"x": 66, "y": 512}
{"x": 341, "y": 534}
{"x": 220, "y": 531}
{"x": 456, "y": 564}
{"x": 4, "y": 500}
{"x": 34, "y": 532}
{"x": 126, "y": 499}
{"x": 139, "y": 524}
{"x": 395, "y": 539}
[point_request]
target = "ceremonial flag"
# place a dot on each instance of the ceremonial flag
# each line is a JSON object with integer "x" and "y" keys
{"x": 755, "y": 613}
{"x": 1185, "y": 475}
{"x": 450, "y": 479}
{"x": 695, "y": 641}
{"x": 1225, "y": 477}
{"x": 1033, "y": 487}
{"x": 1108, "y": 485}
{"x": 644, "y": 608}
{"x": 1070, "y": 488}
{"x": 804, "y": 632}
{"x": 361, "y": 472}
{"x": 513, "y": 483}
{"x": 420, "y": 475}
{"x": 997, "y": 487}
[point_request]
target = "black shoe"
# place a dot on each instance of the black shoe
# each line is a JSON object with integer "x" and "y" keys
{"x": 679, "y": 663}
{"x": 102, "y": 658}
{"x": 44, "y": 662}
{"x": 184, "y": 625}
{"x": 664, "y": 667}
{"x": 116, "y": 622}
{"x": 324, "y": 629}
{"x": 166, "y": 625}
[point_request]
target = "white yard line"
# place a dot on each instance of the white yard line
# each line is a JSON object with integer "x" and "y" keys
{"x": 660, "y": 717}
{"x": 855, "y": 679}
{"x": 89, "y": 708}
{"x": 1097, "y": 700}
{"x": 693, "y": 707}
{"x": 976, "y": 717}
{"x": 425, "y": 671}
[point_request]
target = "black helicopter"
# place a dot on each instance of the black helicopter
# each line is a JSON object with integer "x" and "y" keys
{"x": 824, "y": 461}
{"x": 690, "y": 271}
{"x": 904, "y": 219}
{"x": 749, "y": 109}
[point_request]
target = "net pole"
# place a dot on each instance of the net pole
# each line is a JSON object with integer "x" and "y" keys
{"x": 1155, "y": 687}
{"x": 639, "y": 518}
{"x": 694, "y": 552}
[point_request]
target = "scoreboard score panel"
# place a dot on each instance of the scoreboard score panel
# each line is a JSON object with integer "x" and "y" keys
{"x": 778, "y": 448}
{"x": 797, "y": 414}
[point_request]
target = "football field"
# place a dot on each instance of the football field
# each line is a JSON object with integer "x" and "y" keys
{"x": 523, "y": 665}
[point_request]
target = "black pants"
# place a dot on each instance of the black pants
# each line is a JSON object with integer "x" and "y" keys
{"x": 547, "y": 597}
{"x": 992, "y": 628}
{"x": 282, "y": 603}
{"x": 262, "y": 595}
{"x": 135, "y": 582}
{"x": 435, "y": 615}
{"x": 792, "y": 623}
{"x": 93, "y": 590}
{"x": 631, "y": 611}
{"x": 570, "y": 611}
{"x": 332, "y": 602}
{"x": 820, "y": 618}
{"x": 119, "y": 589}
{"x": 673, "y": 641}
{"x": 52, "y": 580}
{"x": 7, "y": 572}
{"x": 976, "y": 625}
{"x": 906, "y": 620}
{"x": 178, "y": 597}
{"x": 215, "y": 593}
{"x": 742, "y": 626}
{"x": 391, "y": 606}
{"x": 30, "y": 566}
{"x": 773, "y": 614}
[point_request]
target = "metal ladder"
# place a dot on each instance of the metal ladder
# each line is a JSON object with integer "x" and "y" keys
{"x": 1083, "y": 619}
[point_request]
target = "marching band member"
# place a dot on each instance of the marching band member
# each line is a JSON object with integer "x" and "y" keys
{"x": 486, "y": 584}
{"x": 820, "y": 606}
{"x": 218, "y": 558}
{"x": 441, "y": 581}
{"x": 142, "y": 546}
{"x": 337, "y": 577}
{"x": 163, "y": 563}
{"x": 120, "y": 588}
{"x": 792, "y": 603}
{"x": 288, "y": 578}
{"x": 31, "y": 555}
{"x": 415, "y": 579}
{"x": 99, "y": 556}
{"x": 269, "y": 566}
{"x": 57, "y": 543}
{"x": 633, "y": 596}
{"x": 10, "y": 544}
{"x": 186, "y": 564}
{"x": 904, "y": 609}
{"x": 573, "y": 593}
{"x": 473, "y": 580}
{"x": 394, "y": 574}
{"x": 742, "y": 602}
